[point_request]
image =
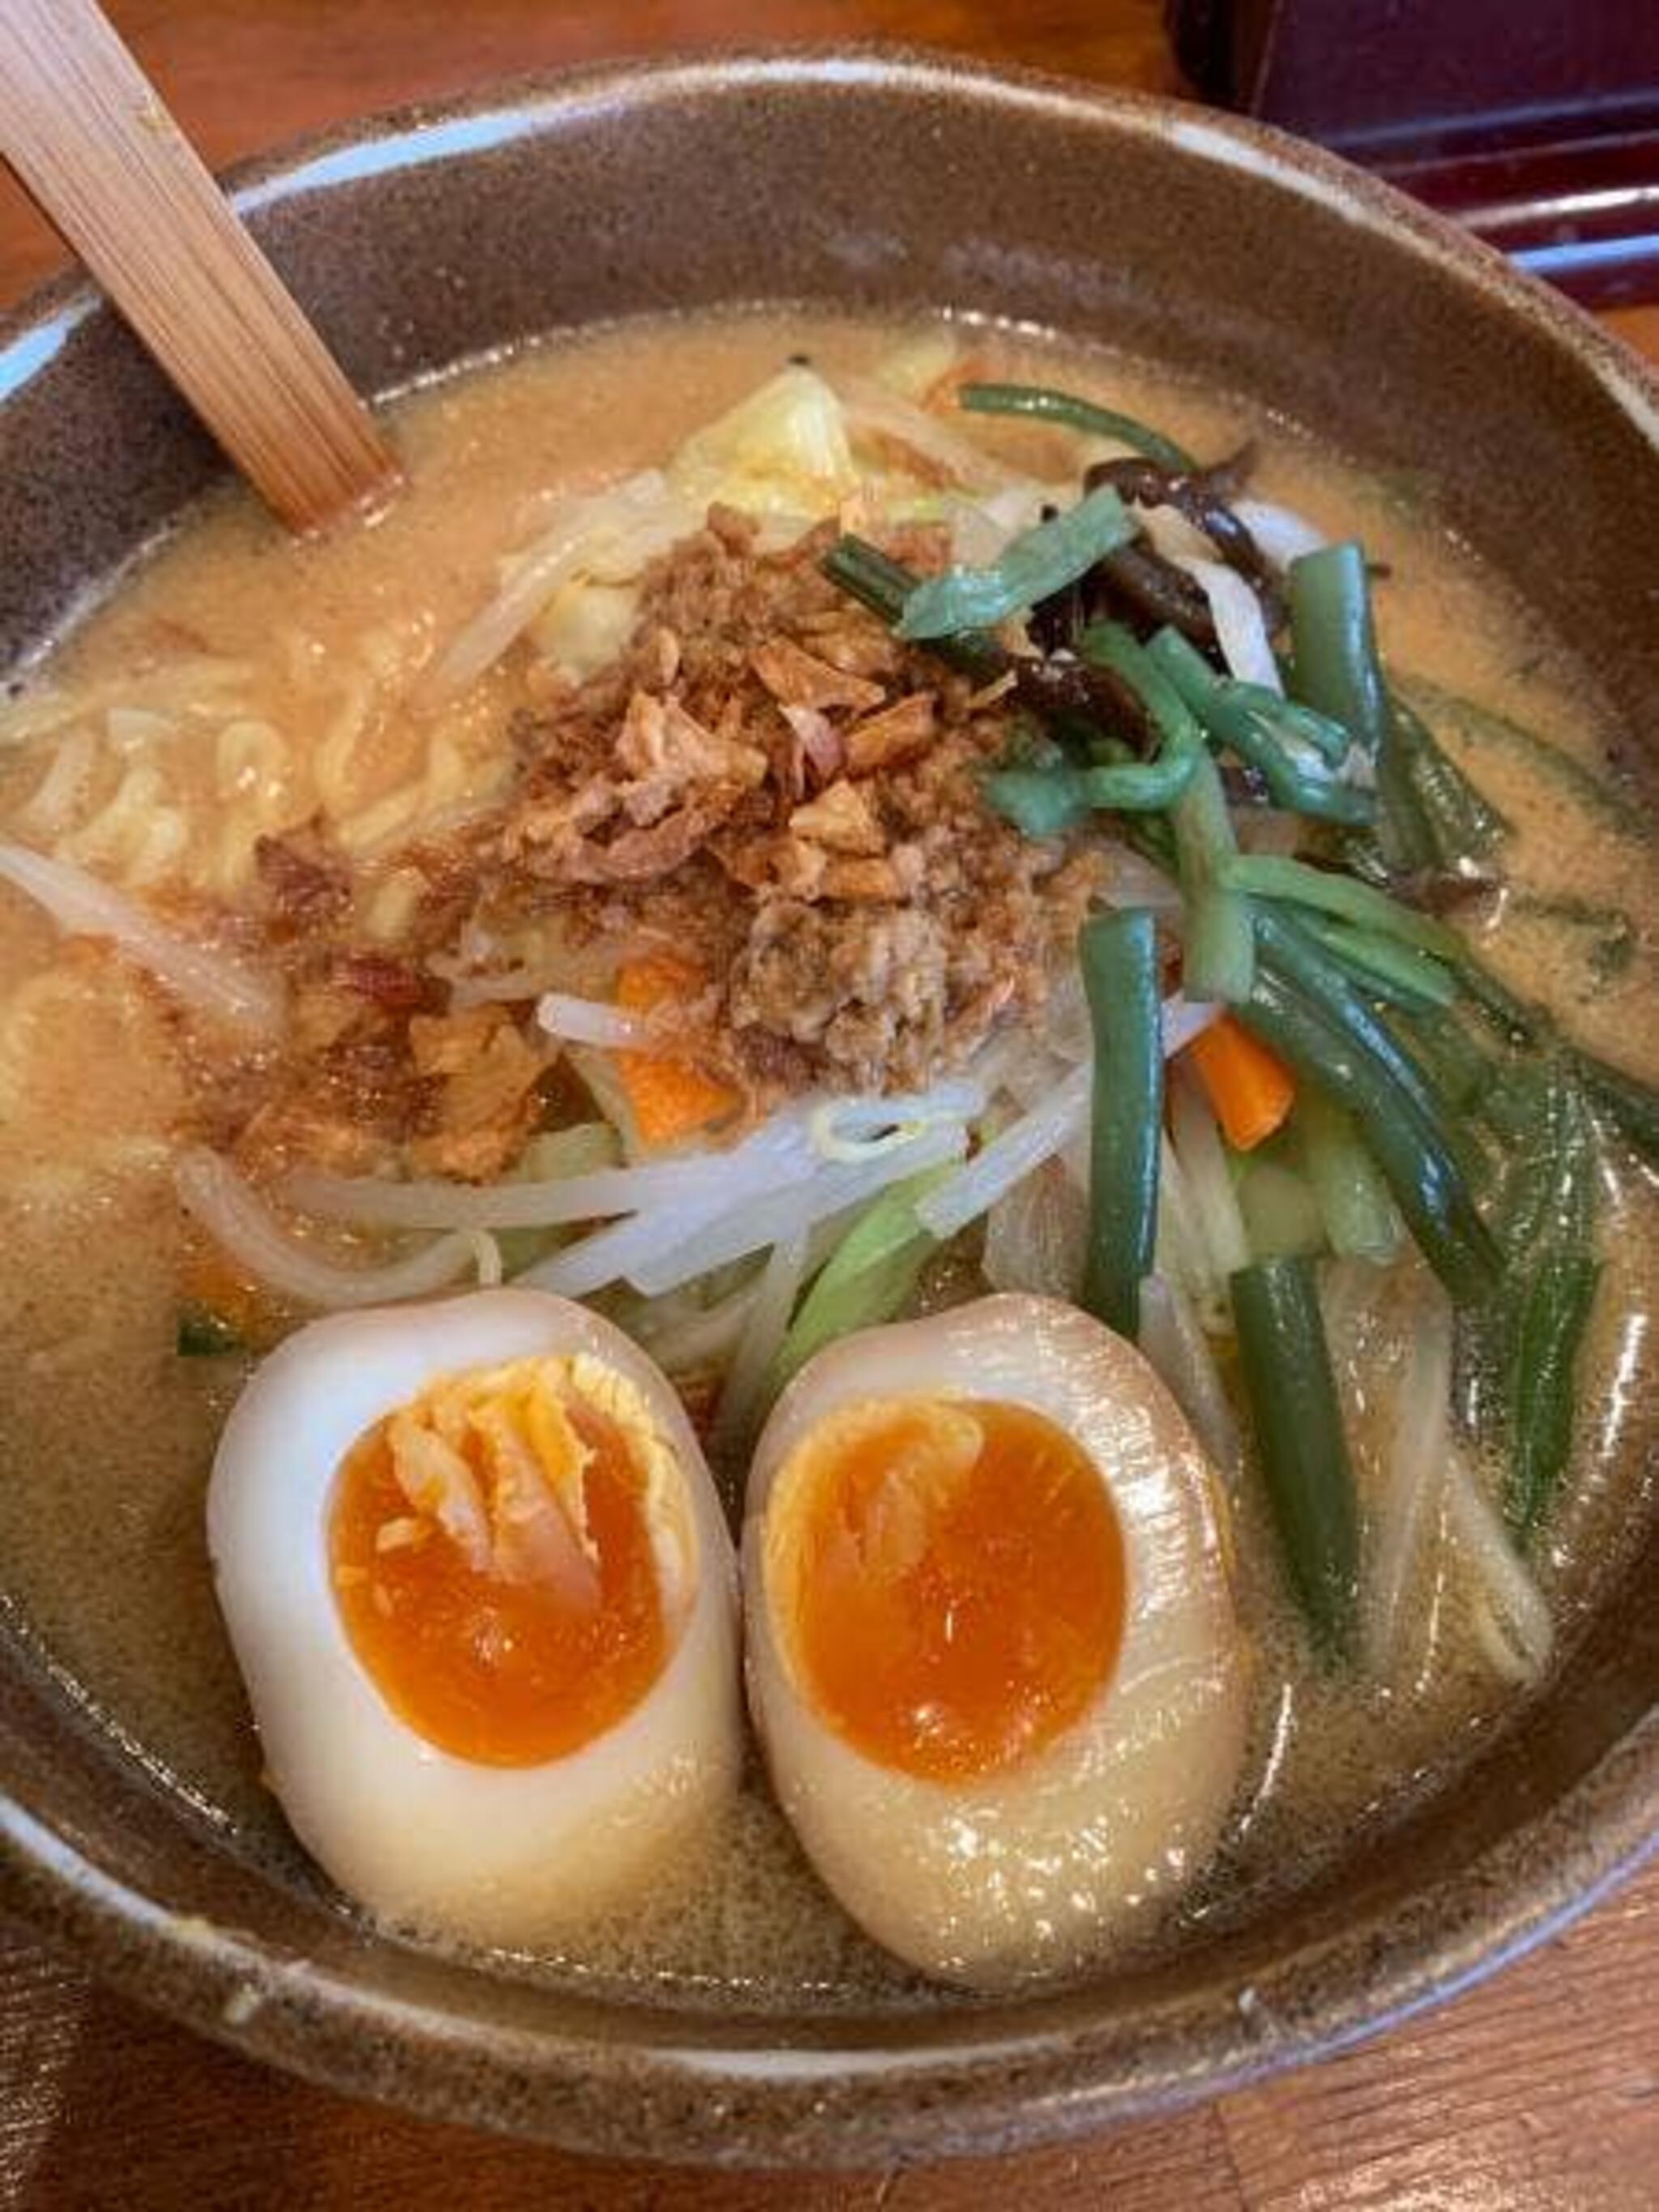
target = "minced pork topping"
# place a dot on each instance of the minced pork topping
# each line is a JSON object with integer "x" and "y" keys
{"x": 767, "y": 784}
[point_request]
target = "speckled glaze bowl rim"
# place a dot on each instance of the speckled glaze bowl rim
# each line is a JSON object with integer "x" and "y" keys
{"x": 827, "y": 2102}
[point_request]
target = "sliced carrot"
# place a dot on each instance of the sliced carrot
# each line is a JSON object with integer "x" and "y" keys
{"x": 669, "y": 1098}
{"x": 1249, "y": 1087}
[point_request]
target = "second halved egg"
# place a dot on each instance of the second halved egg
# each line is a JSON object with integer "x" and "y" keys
{"x": 991, "y": 1645}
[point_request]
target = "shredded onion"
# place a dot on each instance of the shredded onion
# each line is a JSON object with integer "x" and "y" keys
{"x": 1175, "y": 1345}
{"x": 778, "y": 1152}
{"x": 1507, "y": 1597}
{"x": 845, "y": 1129}
{"x": 1173, "y": 535}
{"x": 763, "y": 1332}
{"x": 745, "y": 1228}
{"x": 695, "y": 1226}
{"x": 591, "y": 1021}
{"x": 1282, "y": 535}
{"x": 1136, "y": 881}
{"x": 705, "y": 1336}
{"x": 1023, "y": 1146}
{"x": 1035, "y": 1235}
{"x": 1033, "y": 1076}
{"x": 1241, "y": 629}
{"x": 78, "y": 902}
{"x": 1414, "y": 1470}
{"x": 868, "y": 405}
{"x": 238, "y": 1220}
{"x": 1181, "y": 1251}
{"x": 1184, "y": 1019}
{"x": 1197, "y": 1142}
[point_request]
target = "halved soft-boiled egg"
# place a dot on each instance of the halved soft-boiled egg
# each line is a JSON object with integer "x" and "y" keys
{"x": 482, "y": 1596}
{"x": 992, "y": 1650}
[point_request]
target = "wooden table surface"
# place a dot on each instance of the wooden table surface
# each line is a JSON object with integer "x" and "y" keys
{"x": 1540, "y": 2092}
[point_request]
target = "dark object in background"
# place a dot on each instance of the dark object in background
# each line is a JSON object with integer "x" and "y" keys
{"x": 1535, "y": 122}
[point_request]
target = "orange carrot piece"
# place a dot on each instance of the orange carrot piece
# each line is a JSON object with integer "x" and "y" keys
{"x": 1251, "y": 1088}
{"x": 669, "y": 1098}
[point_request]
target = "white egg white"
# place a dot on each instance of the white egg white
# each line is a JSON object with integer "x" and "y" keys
{"x": 497, "y": 1855}
{"x": 1057, "y": 1860}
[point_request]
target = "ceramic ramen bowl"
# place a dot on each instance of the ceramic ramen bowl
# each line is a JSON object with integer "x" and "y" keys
{"x": 883, "y": 182}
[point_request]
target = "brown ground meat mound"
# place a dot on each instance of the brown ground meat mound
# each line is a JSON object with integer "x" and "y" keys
{"x": 866, "y": 919}
{"x": 766, "y": 782}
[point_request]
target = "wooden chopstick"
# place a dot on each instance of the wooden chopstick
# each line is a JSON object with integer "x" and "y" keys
{"x": 84, "y": 131}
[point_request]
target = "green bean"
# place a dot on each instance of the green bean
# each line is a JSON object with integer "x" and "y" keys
{"x": 1628, "y": 1103}
{"x": 1552, "y": 1201}
{"x": 1334, "y": 642}
{"x": 1297, "y": 1420}
{"x": 1296, "y": 955}
{"x": 1295, "y": 949}
{"x": 1483, "y": 725}
{"x": 1405, "y": 1138}
{"x": 1523, "y": 1342}
{"x": 1219, "y": 948}
{"x": 1040, "y": 802}
{"x": 1547, "y": 1334}
{"x": 1118, "y": 953}
{"x": 1404, "y": 830}
{"x": 1038, "y": 563}
{"x": 1268, "y": 876}
{"x": 884, "y": 585}
{"x": 1462, "y": 824}
{"x": 1219, "y": 957}
{"x": 1045, "y": 802}
{"x": 1517, "y": 1020}
{"x": 1221, "y": 703}
{"x": 1144, "y": 787}
{"x": 1286, "y": 744}
{"x": 1300, "y": 790}
{"x": 1461, "y": 1074}
{"x": 1384, "y": 968}
{"x": 1045, "y": 405}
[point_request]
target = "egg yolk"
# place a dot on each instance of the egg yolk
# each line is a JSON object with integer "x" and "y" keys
{"x": 493, "y": 1567}
{"x": 950, "y": 1579}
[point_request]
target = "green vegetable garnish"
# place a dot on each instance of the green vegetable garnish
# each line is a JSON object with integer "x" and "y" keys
{"x": 1455, "y": 823}
{"x": 1291, "y": 748}
{"x": 1269, "y": 877}
{"x": 1383, "y": 966}
{"x": 1043, "y": 405}
{"x": 1333, "y": 1040}
{"x": 1547, "y": 1331}
{"x": 1333, "y": 641}
{"x": 1220, "y": 954}
{"x": 869, "y": 1277}
{"x": 1040, "y": 561}
{"x": 1304, "y": 1454}
{"x": 1483, "y": 725}
{"x": 1118, "y": 953}
{"x": 201, "y": 1333}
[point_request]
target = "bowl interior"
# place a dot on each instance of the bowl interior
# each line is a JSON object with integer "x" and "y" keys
{"x": 880, "y": 182}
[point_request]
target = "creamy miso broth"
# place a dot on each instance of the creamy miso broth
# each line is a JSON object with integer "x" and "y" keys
{"x": 235, "y": 686}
